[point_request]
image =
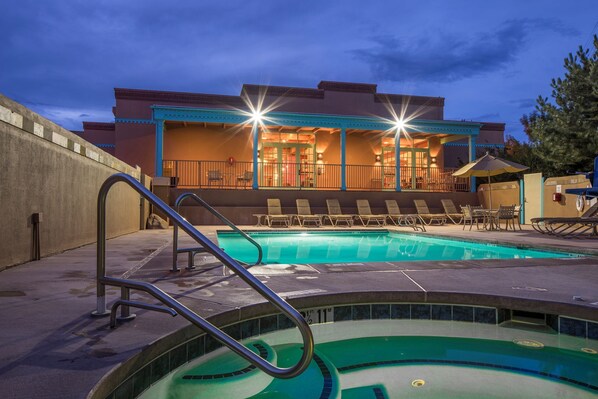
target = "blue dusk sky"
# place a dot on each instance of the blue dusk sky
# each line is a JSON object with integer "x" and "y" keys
{"x": 490, "y": 60}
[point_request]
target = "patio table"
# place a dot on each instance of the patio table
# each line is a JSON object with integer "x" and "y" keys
{"x": 489, "y": 216}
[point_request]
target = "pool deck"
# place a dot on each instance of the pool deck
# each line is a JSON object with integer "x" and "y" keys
{"x": 50, "y": 347}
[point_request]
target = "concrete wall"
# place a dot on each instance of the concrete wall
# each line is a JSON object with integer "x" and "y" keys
{"x": 503, "y": 193}
{"x": 45, "y": 168}
{"x": 566, "y": 207}
{"x": 507, "y": 193}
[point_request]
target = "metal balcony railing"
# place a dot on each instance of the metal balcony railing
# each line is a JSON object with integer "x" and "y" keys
{"x": 290, "y": 175}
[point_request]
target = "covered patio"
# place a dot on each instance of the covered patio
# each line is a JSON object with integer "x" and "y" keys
{"x": 212, "y": 148}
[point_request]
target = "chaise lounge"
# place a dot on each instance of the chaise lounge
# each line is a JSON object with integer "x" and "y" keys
{"x": 336, "y": 215}
{"x": 424, "y": 212}
{"x": 304, "y": 214}
{"x": 451, "y": 212}
{"x": 366, "y": 216}
{"x": 275, "y": 214}
{"x": 399, "y": 219}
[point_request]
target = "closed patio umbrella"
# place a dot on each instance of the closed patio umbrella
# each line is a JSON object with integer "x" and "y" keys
{"x": 487, "y": 166}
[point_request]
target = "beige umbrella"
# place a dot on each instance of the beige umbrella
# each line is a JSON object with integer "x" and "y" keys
{"x": 489, "y": 165}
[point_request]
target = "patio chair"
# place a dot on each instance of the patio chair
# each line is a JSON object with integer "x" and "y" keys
{"x": 517, "y": 216}
{"x": 366, "y": 216}
{"x": 304, "y": 214}
{"x": 215, "y": 176}
{"x": 399, "y": 219}
{"x": 424, "y": 212}
{"x": 275, "y": 214}
{"x": 450, "y": 210}
{"x": 505, "y": 213}
{"x": 470, "y": 216}
{"x": 245, "y": 178}
{"x": 336, "y": 215}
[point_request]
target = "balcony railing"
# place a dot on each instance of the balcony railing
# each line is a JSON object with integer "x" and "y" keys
{"x": 239, "y": 175}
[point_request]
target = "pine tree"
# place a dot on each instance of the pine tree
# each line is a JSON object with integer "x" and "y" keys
{"x": 563, "y": 132}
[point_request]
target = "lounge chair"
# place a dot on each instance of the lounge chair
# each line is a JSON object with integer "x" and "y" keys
{"x": 304, "y": 214}
{"x": 366, "y": 216}
{"x": 569, "y": 226}
{"x": 450, "y": 210}
{"x": 335, "y": 214}
{"x": 424, "y": 212}
{"x": 275, "y": 214}
{"x": 554, "y": 225}
{"x": 399, "y": 219}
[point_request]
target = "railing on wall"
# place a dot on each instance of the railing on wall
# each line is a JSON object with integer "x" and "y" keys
{"x": 239, "y": 175}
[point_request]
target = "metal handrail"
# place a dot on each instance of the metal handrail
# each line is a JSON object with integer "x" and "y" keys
{"x": 225, "y": 339}
{"x": 175, "y": 237}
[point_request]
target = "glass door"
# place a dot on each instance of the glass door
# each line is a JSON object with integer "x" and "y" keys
{"x": 288, "y": 160}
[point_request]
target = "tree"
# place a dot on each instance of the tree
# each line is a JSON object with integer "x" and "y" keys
{"x": 564, "y": 133}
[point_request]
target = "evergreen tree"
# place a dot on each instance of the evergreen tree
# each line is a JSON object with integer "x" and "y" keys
{"x": 563, "y": 132}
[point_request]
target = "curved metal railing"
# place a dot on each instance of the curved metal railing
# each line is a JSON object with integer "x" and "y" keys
{"x": 225, "y": 339}
{"x": 175, "y": 234}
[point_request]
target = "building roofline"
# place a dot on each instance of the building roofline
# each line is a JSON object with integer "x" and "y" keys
{"x": 110, "y": 126}
{"x": 177, "y": 97}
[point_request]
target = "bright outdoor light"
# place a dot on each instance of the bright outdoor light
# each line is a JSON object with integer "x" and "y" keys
{"x": 256, "y": 117}
{"x": 400, "y": 125}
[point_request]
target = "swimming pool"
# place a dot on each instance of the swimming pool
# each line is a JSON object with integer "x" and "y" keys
{"x": 370, "y": 246}
{"x": 397, "y": 358}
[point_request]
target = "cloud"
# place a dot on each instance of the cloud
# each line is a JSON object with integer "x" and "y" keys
{"x": 524, "y": 103}
{"x": 447, "y": 58}
{"x": 487, "y": 117}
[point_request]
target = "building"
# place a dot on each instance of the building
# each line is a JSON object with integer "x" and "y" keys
{"x": 338, "y": 136}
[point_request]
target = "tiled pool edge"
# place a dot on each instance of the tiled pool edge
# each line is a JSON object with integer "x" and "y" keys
{"x": 197, "y": 346}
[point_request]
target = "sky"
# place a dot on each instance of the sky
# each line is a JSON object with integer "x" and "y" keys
{"x": 490, "y": 60}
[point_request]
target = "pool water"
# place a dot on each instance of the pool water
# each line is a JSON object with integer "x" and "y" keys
{"x": 379, "y": 246}
{"x": 385, "y": 366}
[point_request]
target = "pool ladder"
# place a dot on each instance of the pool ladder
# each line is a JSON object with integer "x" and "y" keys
{"x": 192, "y": 251}
{"x": 174, "y": 307}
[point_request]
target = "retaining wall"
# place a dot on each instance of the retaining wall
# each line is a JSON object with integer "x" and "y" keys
{"x": 49, "y": 170}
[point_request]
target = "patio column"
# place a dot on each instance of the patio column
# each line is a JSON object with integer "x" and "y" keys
{"x": 398, "y": 161}
{"x": 343, "y": 159}
{"x": 159, "y": 146}
{"x": 472, "y": 146}
{"x": 256, "y": 137}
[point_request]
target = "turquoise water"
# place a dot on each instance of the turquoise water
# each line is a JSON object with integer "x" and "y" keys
{"x": 344, "y": 247}
{"x": 387, "y": 367}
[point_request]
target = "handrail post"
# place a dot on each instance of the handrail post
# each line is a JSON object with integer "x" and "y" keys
{"x": 101, "y": 254}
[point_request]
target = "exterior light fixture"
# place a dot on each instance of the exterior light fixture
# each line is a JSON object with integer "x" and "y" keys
{"x": 399, "y": 125}
{"x": 256, "y": 117}
{"x": 320, "y": 156}
{"x": 258, "y": 153}
{"x": 377, "y": 158}
{"x": 433, "y": 160}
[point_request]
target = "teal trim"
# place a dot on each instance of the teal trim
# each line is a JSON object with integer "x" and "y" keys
{"x": 135, "y": 121}
{"x": 397, "y": 161}
{"x": 256, "y": 137}
{"x": 159, "y": 147}
{"x": 472, "y": 147}
{"x": 521, "y": 202}
{"x": 218, "y": 115}
{"x": 343, "y": 159}
{"x": 542, "y": 198}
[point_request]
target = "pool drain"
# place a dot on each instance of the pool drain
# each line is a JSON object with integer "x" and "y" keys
{"x": 529, "y": 343}
{"x": 417, "y": 383}
{"x": 590, "y": 351}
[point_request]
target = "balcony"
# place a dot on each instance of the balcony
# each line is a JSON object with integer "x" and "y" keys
{"x": 303, "y": 176}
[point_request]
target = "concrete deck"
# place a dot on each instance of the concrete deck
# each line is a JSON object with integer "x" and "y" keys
{"x": 51, "y": 348}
